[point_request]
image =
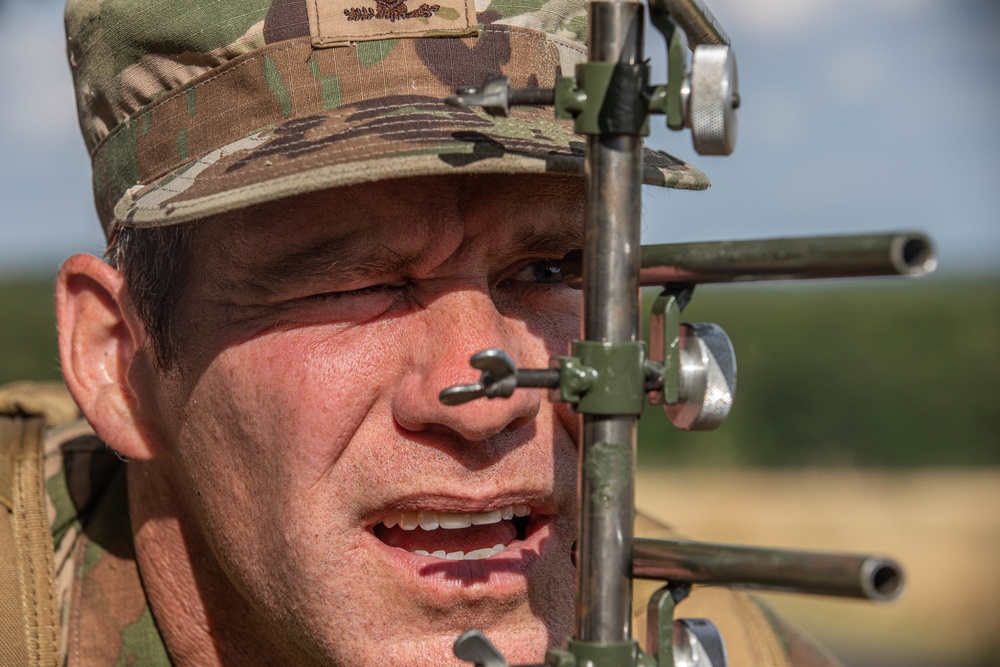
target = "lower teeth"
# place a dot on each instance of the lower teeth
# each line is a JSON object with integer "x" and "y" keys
{"x": 461, "y": 555}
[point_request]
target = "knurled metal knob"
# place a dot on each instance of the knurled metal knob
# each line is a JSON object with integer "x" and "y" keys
{"x": 707, "y": 378}
{"x": 698, "y": 643}
{"x": 712, "y": 99}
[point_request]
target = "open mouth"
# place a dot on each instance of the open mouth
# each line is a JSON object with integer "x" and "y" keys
{"x": 455, "y": 535}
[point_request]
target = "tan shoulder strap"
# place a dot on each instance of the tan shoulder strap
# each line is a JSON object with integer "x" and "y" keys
{"x": 29, "y": 624}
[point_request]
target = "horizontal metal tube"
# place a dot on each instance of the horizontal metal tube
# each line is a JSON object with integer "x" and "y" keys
{"x": 854, "y": 576}
{"x": 695, "y": 19}
{"x": 896, "y": 254}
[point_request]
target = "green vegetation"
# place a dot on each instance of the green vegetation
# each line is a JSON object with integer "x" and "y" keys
{"x": 884, "y": 374}
{"x": 887, "y": 374}
{"x": 27, "y": 331}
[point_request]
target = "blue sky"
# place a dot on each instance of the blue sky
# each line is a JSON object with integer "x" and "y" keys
{"x": 858, "y": 115}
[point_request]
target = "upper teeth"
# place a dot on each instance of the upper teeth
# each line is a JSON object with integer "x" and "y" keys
{"x": 461, "y": 555}
{"x": 451, "y": 520}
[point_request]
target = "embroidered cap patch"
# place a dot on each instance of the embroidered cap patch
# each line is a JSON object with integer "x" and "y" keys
{"x": 339, "y": 22}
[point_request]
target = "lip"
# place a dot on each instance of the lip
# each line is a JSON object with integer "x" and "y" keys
{"x": 502, "y": 575}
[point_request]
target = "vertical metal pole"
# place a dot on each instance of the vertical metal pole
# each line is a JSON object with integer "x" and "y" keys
{"x": 611, "y": 314}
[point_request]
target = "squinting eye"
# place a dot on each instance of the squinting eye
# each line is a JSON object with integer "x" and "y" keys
{"x": 544, "y": 272}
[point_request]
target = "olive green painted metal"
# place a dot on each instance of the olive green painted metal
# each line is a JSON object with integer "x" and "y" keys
{"x": 575, "y": 379}
{"x": 676, "y": 74}
{"x": 619, "y": 381}
{"x": 664, "y": 344}
{"x": 843, "y": 575}
{"x": 660, "y": 626}
{"x": 605, "y": 98}
{"x": 598, "y": 654}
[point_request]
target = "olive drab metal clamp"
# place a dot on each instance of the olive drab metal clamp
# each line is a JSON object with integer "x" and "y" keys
{"x": 702, "y": 97}
{"x": 688, "y": 368}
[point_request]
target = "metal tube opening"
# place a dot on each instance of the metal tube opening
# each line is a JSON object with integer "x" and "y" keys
{"x": 887, "y": 581}
{"x": 883, "y": 579}
{"x": 914, "y": 255}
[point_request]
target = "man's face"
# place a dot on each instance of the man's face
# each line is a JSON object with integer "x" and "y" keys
{"x": 316, "y": 476}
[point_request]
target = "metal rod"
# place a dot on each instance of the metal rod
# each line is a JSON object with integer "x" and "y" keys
{"x": 611, "y": 314}
{"x": 897, "y": 254}
{"x": 695, "y": 19}
{"x": 855, "y": 576}
{"x": 532, "y": 96}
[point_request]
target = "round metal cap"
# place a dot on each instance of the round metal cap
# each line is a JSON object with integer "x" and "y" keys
{"x": 707, "y": 378}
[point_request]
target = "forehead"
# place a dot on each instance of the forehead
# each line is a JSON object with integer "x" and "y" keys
{"x": 417, "y": 220}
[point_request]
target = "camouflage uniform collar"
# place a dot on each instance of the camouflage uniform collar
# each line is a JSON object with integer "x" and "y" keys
{"x": 105, "y": 616}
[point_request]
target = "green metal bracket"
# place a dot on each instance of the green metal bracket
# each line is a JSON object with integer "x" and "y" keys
{"x": 660, "y": 622}
{"x": 570, "y": 100}
{"x": 559, "y": 657}
{"x": 619, "y": 385}
{"x": 605, "y": 98}
{"x": 574, "y": 379}
{"x": 665, "y": 339}
{"x": 676, "y": 71}
{"x": 599, "y": 654}
{"x": 667, "y": 99}
{"x": 660, "y": 627}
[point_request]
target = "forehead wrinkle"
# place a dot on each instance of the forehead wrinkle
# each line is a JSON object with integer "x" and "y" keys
{"x": 558, "y": 239}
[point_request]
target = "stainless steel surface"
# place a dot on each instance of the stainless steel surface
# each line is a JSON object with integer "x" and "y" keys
{"x": 695, "y": 19}
{"x": 611, "y": 314}
{"x": 845, "y": 575}
{"x": 707, "y": 378}
{"x": 493, "y": 96}
{"x": 712, "y": 100}
{"x": 698, "y": 643}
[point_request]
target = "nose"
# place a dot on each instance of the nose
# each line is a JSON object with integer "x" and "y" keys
{"x": 453, "y": 328}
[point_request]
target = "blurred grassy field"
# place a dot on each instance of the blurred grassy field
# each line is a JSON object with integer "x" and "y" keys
{"x": 27, "y": 330}
{"x": 943, "y": 526}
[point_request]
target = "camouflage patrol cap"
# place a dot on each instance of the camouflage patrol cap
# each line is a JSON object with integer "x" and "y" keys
{"x": 195, "y": 107}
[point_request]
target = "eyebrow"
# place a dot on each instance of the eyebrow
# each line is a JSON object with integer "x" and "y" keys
{"x": 352, "y": 260}
{"x": 348, "y": 259}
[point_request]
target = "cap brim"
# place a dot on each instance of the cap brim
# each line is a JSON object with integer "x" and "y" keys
{"x": 379, "y": 139}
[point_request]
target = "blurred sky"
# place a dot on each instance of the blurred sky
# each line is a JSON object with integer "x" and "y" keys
{"x": 858, "y": 115}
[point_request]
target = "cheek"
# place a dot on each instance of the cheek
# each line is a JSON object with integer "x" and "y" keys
{"x": 291, "y": 399}
{"x": 266, "y": 424}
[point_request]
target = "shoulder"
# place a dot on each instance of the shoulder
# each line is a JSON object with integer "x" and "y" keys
{"x": 102, "y": 613}
{"x": 76, "y": 465}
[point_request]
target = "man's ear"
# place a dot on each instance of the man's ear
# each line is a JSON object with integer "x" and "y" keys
{"x": 99, "y": 340}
